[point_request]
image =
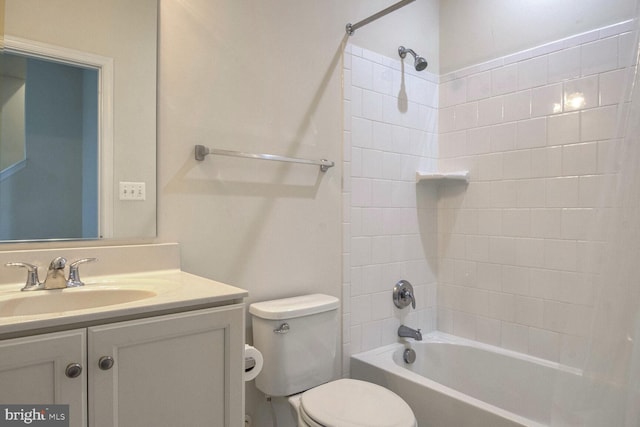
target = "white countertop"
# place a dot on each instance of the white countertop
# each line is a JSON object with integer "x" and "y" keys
{"x": 175, "y": 290}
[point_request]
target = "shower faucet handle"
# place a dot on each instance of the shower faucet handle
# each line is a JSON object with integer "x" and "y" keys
{"x": 403, "y": 294}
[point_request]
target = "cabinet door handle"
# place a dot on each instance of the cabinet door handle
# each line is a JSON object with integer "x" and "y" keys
{"x": 105, "y": 363}
{"x": 73, "y": 370}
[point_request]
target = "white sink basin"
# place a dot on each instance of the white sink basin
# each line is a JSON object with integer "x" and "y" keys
{"x": 56, "y": 301}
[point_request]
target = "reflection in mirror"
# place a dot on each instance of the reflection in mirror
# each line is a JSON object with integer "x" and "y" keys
{"x": 89, "y": 122}
{"x": 49, "y": 142}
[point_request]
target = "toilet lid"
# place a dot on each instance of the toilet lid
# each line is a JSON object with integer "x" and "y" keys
{"x": 354, "y": 403}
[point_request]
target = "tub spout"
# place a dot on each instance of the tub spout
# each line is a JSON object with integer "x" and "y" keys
{"x": 407, "y": 332}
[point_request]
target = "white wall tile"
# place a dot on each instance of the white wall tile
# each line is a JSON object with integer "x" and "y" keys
{"x": 489, "y": 276}
{"x": 580, "y": 159}
{"x": 490, "y": 111}
{"x": 464, "y": 325}
{"x": 490, "y": 167}
{"x": 371, "y": 105}
{"x": 515, "y": 337}
{"x": 503, "y": 137}
{"x": 564, "y": 65}
{"x": 479, "y": 86}
{"x": 515, "y": 280}
{"x": 502, "y": 250}
{"x": 504, "y": 80}
{"x": 517, "y": 106}
{"x": 562, "y": 192}
{"x": 516, "y": 164}
{"x": 503, "y": 194}
{"x": 563, "y": 129}
{"x": 546, "y": 223}
{"x": 560, "y": 254}
{"x": 546, "y": 100}
{"x": 613, "y": 86}
{"x": 581, "y": 93}
{"x": 361, "y": 73}
{"x": 466, "y": 116}
{"x": 361, "y": 132}
{"x": 599, "y": 123}
{"x": 546, "y": 162}
{"x": 530, "y": 312}
{"x": 577, "y": 223}
{"x": 627, "y": 49}
{"x": 382, "y": 79}
{"x": 479, "y": 141}
{"x": 453, "y": 92}
{"x": 372, "y": 163}
{"x": 530, "y": 193}
{"x": 532, "y": 73}
{"x": 516, "y": 222}
{"x": 544, "y": 344}
{"x": 371, "y": 335}
{"x": 599, "y": 56}
{"x": 532, "y": 133}
{"x": 530, "y": 252}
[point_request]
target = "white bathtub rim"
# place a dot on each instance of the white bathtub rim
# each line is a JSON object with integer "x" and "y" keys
{"x": 379, "y": 357}
{"x": 442, "y": 337}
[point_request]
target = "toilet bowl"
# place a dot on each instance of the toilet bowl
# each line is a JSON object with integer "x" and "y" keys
{"x": 298, "y": 338}
{"x": 351, "y": 403}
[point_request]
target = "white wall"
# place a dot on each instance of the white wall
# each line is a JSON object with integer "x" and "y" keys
{"x": 258, "y": 77}
{"x": 473, "y": 31}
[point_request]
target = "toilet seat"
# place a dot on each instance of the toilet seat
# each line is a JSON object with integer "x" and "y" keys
{"x": 354, "y": 403}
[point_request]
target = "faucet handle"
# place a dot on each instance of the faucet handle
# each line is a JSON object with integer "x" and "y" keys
{"x": 403, "y": 294}
{"x": 32, "y": 282}
{"x": 74, "y": 272}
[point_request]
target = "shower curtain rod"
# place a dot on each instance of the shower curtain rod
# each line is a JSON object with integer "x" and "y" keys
{"x": 201, "y": 151}
{"x": 351, "y": 28}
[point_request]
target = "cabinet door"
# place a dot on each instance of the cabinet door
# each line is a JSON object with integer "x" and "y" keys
{"x": 182, "y": 369}
{"x": 32, "y": 371}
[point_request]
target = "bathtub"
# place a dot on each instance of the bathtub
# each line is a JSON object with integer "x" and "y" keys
{"x": 455, "y": 382}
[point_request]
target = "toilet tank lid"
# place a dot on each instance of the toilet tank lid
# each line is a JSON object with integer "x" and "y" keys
{"x": 289, "y": 308}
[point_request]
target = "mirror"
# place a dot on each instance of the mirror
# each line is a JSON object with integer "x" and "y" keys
{"x": 78, "y": 119}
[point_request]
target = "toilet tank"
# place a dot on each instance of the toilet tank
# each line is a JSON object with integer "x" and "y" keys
{"x": 299, "y": 341}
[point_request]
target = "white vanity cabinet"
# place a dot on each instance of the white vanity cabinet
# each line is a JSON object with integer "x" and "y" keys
{"x": 170, "y": 370}
{"x": 33, "y": 371}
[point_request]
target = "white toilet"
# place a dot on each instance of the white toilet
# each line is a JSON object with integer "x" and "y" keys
{"x": 298, "y": 338}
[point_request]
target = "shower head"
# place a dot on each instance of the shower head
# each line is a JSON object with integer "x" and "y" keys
{"x": 419, "y": 62}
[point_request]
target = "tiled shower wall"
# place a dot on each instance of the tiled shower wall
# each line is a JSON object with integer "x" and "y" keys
{"x": 509, "y": 251}
{"x": 534, "y": 129}
{"x": 389, "y": 223}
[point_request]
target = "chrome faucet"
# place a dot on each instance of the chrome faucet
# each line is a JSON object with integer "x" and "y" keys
{"x": 55, "y": 275}
{"x": 407, "y": 332}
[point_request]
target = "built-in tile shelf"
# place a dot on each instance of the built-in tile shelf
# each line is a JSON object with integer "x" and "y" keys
{"x": 462, "y": 176}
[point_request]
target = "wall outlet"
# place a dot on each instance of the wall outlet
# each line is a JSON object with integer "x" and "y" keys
{"x": 132, "y": 191}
